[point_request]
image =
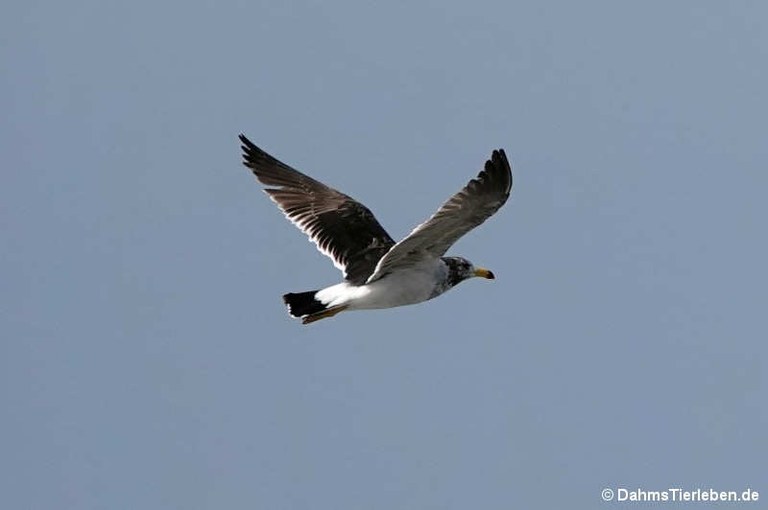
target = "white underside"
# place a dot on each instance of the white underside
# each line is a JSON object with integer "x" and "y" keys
{"x": 403, "y": 287}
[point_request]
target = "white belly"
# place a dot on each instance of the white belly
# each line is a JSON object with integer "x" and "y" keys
{"x": 398, "y": 289}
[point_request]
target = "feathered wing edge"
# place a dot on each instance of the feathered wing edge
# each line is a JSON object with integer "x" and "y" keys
{"x": 475, "y": 203}
{"x": 342, "y": 228}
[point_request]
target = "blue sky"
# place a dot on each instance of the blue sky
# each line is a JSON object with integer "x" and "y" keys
{"x": 147, "y": 360}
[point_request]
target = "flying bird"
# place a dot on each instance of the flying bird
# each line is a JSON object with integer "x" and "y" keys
{"x": 378, "y": 272}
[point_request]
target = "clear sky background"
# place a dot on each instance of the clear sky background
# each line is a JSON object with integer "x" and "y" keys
{"x": 147, "y": 361}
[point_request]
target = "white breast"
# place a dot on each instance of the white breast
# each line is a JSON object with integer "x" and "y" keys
{"x": 403, "y": 287}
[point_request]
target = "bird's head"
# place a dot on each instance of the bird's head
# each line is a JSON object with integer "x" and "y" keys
{"x": 460, "y": 269}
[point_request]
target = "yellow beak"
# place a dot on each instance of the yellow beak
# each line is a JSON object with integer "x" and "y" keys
{"x": 484, "y": 273}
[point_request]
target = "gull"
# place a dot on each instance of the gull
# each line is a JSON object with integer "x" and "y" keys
{"x": 378, "y": 272}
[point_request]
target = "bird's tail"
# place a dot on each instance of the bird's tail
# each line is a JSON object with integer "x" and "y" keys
{"x": 303, "y": 303}
{"x": 310, "y": 309}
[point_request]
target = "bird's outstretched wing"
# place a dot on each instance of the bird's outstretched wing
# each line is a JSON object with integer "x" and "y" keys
{"x": 465, "y": 210}
{"x": 342, "y": 228}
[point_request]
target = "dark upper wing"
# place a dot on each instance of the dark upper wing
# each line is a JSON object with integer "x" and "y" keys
{"x": 465, "y": 210}
{"x": 341, "y": 227}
